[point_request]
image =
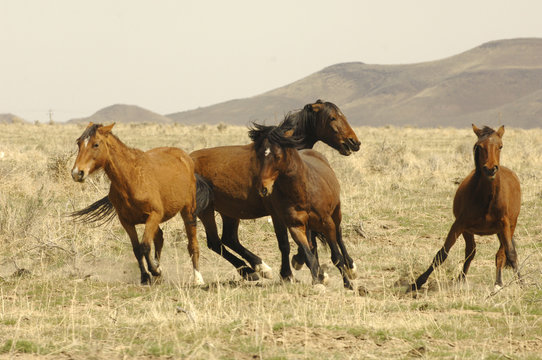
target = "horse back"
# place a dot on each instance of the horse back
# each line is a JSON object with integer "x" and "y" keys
{"x": 233, "y": 172}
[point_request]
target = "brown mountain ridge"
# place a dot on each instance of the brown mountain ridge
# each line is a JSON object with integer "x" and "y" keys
{"x": 497, "y": 82}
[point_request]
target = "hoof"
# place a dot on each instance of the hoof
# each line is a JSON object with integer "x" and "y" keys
{"x": 325, "y": 278}
{"x": 351, "y": 273}
{"x": 496, "y": 289}
{"x": 295, "y": 264}
{"x": 198, "y": 279}
{"x": 289, "y": 279}
{"x": 157, "y": 272}
{"x": 264, "y": 270}
{"x": 248, "y": 274}
{"x": 145, "y": 279}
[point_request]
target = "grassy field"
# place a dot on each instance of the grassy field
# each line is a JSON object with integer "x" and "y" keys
{"x": 72, "y": 291}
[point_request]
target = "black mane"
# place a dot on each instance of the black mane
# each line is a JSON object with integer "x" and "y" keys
{"x": 305, "y": 122}
{"x": 258, "y": 133}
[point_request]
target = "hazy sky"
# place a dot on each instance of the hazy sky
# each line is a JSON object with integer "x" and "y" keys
{"x": 76, "y": 57}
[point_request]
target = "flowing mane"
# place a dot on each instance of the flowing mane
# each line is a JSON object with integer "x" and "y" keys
{"x": 258, "y": 133}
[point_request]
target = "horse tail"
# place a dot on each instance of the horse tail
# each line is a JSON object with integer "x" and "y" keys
{"x": 100, "y": 211}
{"x": 204, "y": 194}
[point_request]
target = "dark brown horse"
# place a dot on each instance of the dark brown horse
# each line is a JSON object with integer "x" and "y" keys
{"x": 487, "y": 202}
{"x": 302, "y": 193}
{"x": 233, "y": 171}
{"x": 146, "y": 188}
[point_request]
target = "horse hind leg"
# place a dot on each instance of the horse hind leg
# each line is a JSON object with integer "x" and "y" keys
{"x": 230, "y": 238}
{"x": 299, "y": 235}
{"x": 506, "y": 256}
{"x": 207, "y": 217}
{"x": 193, "y": 246}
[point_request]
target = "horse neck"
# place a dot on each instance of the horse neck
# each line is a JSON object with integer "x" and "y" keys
{"x": 295, "y": 171}
{"x": 307, "y": 126}
{"x": 120, "y": 163}
{"x": 485, "y": 189}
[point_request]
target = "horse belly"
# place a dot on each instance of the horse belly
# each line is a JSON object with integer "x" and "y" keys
{"x": 231, "y": 170}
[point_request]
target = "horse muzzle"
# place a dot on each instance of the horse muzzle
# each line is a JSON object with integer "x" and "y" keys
{"x": 491, "y": 173}
{"x": 349, "y": 146}
{"x": 78, "y": 175}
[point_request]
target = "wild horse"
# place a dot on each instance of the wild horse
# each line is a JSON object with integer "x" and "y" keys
{"x": 146, "y": 188}
{"x": 233, "y": 172}
{"x": 487, "y": 202}
{"x": 302, "y": 193}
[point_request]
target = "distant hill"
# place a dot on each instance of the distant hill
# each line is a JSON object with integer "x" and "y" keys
{"x": 497, "y": 82}
{"x": 123, "y": 114}
{"x": 11, "y": 119}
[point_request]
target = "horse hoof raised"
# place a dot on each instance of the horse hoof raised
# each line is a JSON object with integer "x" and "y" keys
{"x": 295, "y": 264}
{"x": 248, "y": 274}
{"x": 351, "y": 273}
{"x": 264, "y": 270}
{"x": 496, "y": 289}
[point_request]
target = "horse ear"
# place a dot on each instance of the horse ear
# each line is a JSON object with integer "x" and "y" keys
{"x": 500, "y": 132}
{"x": 90, "y": 124}
{"x": 317, "y": 106}
{"x": 476, "y": 130}
{"x": 106, "y": 129}
{"x": 289, "y": 133}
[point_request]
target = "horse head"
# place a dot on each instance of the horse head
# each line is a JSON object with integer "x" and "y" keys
{"x": 92, "y": 151}
{"x": 272, "y": 148}
{"x": 487, "y": 150}
{"x": 333, "y": 128}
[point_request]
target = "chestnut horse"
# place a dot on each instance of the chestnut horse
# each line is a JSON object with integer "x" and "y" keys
{"x": 302, "y": 193}
{"x": 233, "y": 171}
{"x": 146, "y": 188}
{"x": 487, "y": 202}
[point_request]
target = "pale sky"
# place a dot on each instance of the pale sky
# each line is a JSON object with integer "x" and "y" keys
{"x": 76, "y": 57}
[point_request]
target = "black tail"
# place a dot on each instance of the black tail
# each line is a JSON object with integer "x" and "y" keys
{"x": 204, "y": 194}
{"x": 101, "y": 211}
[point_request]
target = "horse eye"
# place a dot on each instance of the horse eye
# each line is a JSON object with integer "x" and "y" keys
{"x": 95, "y": 145}
{"x": 500, "y": 147}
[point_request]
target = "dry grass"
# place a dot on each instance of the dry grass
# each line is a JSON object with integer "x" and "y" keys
{"x": 71, "y": 291}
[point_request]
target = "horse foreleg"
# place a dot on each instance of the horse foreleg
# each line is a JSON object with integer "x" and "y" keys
{"x": 207, "y": 217}
{"x": 506, "y": 255}
{"x": 439, "y": 258}
{"x": 193, "y": 246}
{"x": 152, "y": 226}
{"x": 299, "y": 235}
{"x": 281, "y": 232}
{"x": 350, "y": 264}
{"x": 470, "y": 251}
{"x": 158, "y": 244}
{"x": 132, "y": 233}
{"x": 336, "y": 257}
{"x": 230, "y": 238}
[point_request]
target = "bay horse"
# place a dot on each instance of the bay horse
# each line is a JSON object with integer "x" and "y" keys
{"x": 302, "y": 193}
{"x": 487, "y": 202}
{"x": 146, "y": 188}
{"x": 233, "y": 172}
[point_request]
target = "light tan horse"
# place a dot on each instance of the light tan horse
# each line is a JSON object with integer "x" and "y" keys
{"x": 487, "y": 202}
{"x": 146, "y": 188}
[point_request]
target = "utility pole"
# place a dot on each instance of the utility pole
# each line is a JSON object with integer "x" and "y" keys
{"x": 51, "y": 122}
